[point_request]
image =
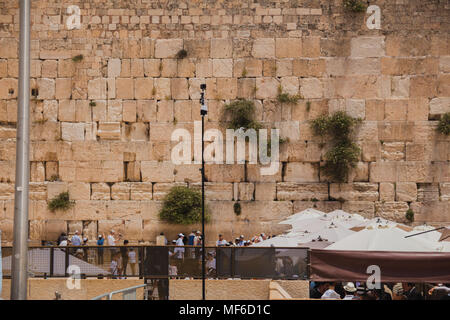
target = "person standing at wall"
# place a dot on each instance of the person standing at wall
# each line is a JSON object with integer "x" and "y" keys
{"x": 124, "y": 254}
{"x": 100, "y": 242}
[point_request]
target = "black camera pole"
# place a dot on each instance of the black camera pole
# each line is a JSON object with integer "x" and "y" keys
{"x": 203, "y": 112}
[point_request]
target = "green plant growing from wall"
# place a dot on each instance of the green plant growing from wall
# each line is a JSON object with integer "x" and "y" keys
{"x": 284, "y": 97}
{"x": 182, "y": 54}
{"x": 344, "y": 153}
{"x": 92, "y": 104}
{"x": 409, "y": 215}
{"x": 78, "y": 58}
{"x": 61, "y": 202}
{"x": 182, "y": 206}
{"x": 244, "y": 73}
{"x": 354, "y": 5}
{"x": 241, "y": 114}
{"x": 444, "y": 124}
{"x": 237, "y": 208}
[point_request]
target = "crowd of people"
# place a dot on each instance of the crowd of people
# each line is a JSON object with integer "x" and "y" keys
{"x": 386, "y": 291}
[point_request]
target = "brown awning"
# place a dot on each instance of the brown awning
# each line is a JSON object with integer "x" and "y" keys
{"x": 339, "y": 265}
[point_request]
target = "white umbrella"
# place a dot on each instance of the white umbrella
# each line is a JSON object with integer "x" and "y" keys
{"x": 384, "y": 238}
{"x": 305, "y": 214}
{"x": 39, "y": 262}
{"x": 278, "y": 241}
{"x": 332, "y": 233}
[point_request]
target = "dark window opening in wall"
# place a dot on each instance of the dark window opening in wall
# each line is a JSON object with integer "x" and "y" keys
{"x": 34, "y": 92}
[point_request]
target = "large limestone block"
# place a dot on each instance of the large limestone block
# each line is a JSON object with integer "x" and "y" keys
{"x": 302, "y": 191}
{"x": 392, "y": 210}
{"x": 109, "y": 130}
{"x": 120, "y": 191}
{"x": 141, "y": 191}
{"x": 254, "y": 173}
{"x": 444, "y": 191}
{"x": 221, "y": 48}
{"x": 179, "y": 87}
{"x": 383, "y": 171}
{"x": 263, "y": 48}
{"x": 427, "y": 192}
{"x": 423, "y": 86}
{"x": 288, "y": 47}
{"x": 79, "y": 190}
{"x": 224, "y": 173}
{"x": 387, "y": 191}
{"x": 265, "y": 211}
{"x": 311, "y": 88}
{"x": 143, "y": 88}
{"x": 436, "y": 211}
{"x": 393, "y": 151}
{"x": 167, "y": 48}
{"x": 46, "y": 88}
{"x": 100, "y": 191}
{"x": 124, "y": 209}
{"x": 56, "y": 188}
{"x": 439, "y": 106}
{"x": 366, "y": 47}
{"x": 406, "y": 191}
{"x": 247, "y": 67}
{"x": 364, "y": 208}
{"x": 9, "y": 48}
{"x": 125, "y": 88}
{"x": 246, "y": 191}
{"x": 72, "y": 131}
{"x": 222, "y": 68}
{"x": 188, "y": 173}
{"x": 8, "y": 88}
{"x": 160, "y": 190}
{"x": 301, "y": 172}
{"x": 105, "y": 226}
{"x": 37, "y": 191}
{"x": 97, "y": 88}
{"x": 198, "y": 48}
{"x": 6, "y": 191}
{"x": 154, "y": 171}
{"x": 265, "y": 191}
{"x": 215, "y": 191}
{"x": 415, "y": 171}
{"x": 358, "y": 191}
{"x": 63, "y": 88}
{"x": 266, "y": 88}
{"x": 133, "y": 229}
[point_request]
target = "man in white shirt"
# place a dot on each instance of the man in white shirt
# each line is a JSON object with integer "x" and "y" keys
{"x": 350, "y": 290}
{"x": 111, "y": 240}
{"x": 179, "y": 252}
{"x": 221, "y": 242}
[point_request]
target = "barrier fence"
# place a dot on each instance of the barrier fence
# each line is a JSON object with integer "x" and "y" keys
{"x": 159, "y": 262}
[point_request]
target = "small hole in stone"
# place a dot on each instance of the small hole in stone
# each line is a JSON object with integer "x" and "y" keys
{"x": 34, "y": 92}
{"x": 11, "y": 91}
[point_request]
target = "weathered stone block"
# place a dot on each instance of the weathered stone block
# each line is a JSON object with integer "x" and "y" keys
{"x": 153, "y": 171}
{"x": 301, "y": 172}
{"x": 97, "y": 89}
{"x": 387, "y": 191}
{"x": 167, "y": 48}
{"x": 302, "y": 191}
{"x": 406, "y": 191}
{"x": 263, "y": 48}
{"x": 221, "y": 48}
{"x": 288, "y": 47}
{"x": 100, "y": 191}
{"x": 366, "y": 47}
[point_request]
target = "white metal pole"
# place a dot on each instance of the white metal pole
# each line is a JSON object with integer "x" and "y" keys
{"x": 19, "y": 270}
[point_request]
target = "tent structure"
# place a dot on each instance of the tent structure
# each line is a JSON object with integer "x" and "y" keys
{"x": 386, "y": 237}
{"x": 39, "y": 263}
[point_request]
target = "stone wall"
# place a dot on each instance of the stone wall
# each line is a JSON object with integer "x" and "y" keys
{"x": 101, "y": 126}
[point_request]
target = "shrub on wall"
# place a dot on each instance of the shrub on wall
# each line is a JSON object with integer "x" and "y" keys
{"x": 354, "y": 5}
{"x": 409, "y": 215}
{"x": 182, "y": 206}
{"x": 344, "y": 153}
{"x": 444, "y": 124}
{"x": 241, "y": 114}
{"x": 60, "y": 202}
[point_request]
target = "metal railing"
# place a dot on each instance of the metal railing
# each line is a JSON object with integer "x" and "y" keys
{"x": 163, "y": 262}
{"x": 127, "y": 293}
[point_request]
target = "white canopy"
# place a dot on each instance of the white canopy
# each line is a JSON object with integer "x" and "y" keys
{"x": 385, "y": 237}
